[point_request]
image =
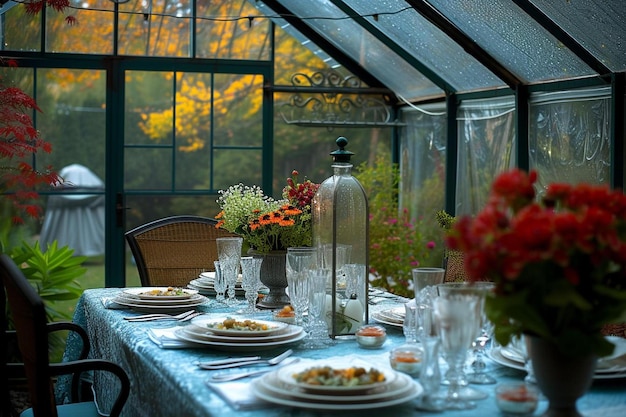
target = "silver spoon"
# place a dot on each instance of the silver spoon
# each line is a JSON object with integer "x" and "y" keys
{"x": 270, "y": 362}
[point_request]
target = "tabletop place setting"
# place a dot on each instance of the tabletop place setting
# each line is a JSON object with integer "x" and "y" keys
{"x": 443, "y": 359}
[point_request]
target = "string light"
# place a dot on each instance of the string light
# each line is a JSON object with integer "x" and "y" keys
{"x": 249, "y": 18}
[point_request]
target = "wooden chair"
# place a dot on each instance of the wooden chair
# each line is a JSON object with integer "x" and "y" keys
{"x": 174, "y": 250}
{"x": 29, "y": 317}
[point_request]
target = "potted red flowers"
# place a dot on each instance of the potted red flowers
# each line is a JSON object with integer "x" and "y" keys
{"x": 559, "y": 264}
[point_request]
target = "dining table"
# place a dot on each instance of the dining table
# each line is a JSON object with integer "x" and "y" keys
{"x": 167, "y": 381}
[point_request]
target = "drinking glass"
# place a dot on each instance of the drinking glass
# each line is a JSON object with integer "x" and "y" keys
{"x": 456, "y": 320}
{"x": 318, "y": 330}
{"x": 409, "y": 324}
{"x": 425, "y": 280}
{"x": 341, "y": 257}
{"x": 355, "y": 280}
{"x": 229, "y": 255}
{"x": 251, "y": 281}
{"x": 300, "y": 260}
{"x": 218, "y": 283}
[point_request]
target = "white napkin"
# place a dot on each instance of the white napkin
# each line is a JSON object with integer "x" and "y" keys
{"x": 109, "y": 302}
{"x": 165, "y": 338}
{"x": 238, "y": 395}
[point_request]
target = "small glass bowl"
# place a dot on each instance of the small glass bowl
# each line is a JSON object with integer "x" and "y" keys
{"x": 371, "y": 336}
{"x": 407, "y": 358}
{"x": 517, "y": 398}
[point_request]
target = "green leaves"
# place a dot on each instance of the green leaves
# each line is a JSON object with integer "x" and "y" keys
{"x": 53, "y": 272}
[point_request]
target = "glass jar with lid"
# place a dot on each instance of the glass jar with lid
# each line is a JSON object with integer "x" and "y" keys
{"x": 341, "y": 234}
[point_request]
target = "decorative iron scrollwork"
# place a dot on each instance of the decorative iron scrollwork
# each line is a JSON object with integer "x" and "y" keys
{"x": 326, "y": 99}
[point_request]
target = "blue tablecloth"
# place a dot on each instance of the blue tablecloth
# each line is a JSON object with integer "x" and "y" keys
{"x": 167, "y": 382}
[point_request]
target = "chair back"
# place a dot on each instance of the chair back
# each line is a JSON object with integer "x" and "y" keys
{"x": 174, "y": 250}
{"x": 29, "y": 318}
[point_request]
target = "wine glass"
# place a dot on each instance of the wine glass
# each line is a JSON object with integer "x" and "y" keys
{"x": 456, "y": 320}
{"x": 300, "y": 260}
{"x": 318, "y": 329}
{"x": 229, "y": 255}
{"x": 477, "y": 290}
{"x": 251, "y": 281}
{"x": 478, "y": 374}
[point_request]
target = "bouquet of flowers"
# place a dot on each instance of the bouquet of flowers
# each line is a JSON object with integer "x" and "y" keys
{"x": 559, "y": 264}
{"x": 267, "y": 224}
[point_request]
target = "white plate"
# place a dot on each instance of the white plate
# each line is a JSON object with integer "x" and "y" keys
{"x": 379, "y": 319}
{"x": 240, "y": 346}
{"x": 160, "y": 308}
{"x": 210, "y": 275}
{"x": 286, "y": 373}
{"x": 208, "y": 324}
{"x": 142, "y": 293}
{"x": 496, "y": 355}
{"x": 144, "y": 302}
{"x": 401, "y": 385}
{"x": 203, "y": 333}
{"x": 395, "y": 315}
{"x": 260, "y": 390}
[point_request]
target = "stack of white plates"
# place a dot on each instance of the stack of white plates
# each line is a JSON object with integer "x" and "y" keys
{"x": 610, "y": 367}
{"x": 393, "y": 316}
{"x": 143, "y": 299}
{"x": 202, "y": 330}
{"x": 280, "y": 387}
{"x": 204, "y": 284}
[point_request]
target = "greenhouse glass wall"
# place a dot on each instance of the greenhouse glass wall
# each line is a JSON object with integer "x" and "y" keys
{"x": 168, "y": 103}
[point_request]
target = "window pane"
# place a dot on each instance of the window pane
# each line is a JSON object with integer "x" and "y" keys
{"x": 92, "y": 33}
{"x": 487, "y": 144}
{"x": 570, "y": 136}
{"x": 21, "y": 31}
{"x": 513, "y": 38}
{"x": 155, "y": 28}
{"x": 221, "y": 33}
{"x": 423, "y": 161}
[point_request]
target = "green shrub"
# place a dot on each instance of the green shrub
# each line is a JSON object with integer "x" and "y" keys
{"x": 397, "y": 243}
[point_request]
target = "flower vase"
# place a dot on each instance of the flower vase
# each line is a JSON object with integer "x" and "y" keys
{"x": 562, "y": 379}
{"x": 273, "y": 276}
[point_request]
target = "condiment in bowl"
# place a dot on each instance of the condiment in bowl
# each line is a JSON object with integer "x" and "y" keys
{"x": 516, "y": 398}
{"x": 371, "y": 336}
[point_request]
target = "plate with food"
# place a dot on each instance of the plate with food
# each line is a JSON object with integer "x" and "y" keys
{"x": 161, "y": 293}
{"x": 240, "y": 327}
{"x": 289, "y": 332}
{"x": 336, "y": 379}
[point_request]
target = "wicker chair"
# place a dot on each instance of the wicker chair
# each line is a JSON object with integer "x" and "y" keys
{"x": 174, "y": 250}
{"x": 453, "y": 263}
{"x": 29, "y": 317}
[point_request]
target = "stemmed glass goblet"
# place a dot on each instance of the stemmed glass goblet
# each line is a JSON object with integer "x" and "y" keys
{"x": 229, "y": 254}
{"x": 478, "y": 374}
{"x": 300, "y": 260}
{"x": 456, "y": 320}
{"x": 479, "y": 291}
{"x": 251, "y": 281}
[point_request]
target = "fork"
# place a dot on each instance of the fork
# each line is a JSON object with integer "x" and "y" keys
{"x": 187, "y": 315}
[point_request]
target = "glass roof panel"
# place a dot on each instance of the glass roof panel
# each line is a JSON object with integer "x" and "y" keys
{"x": 379, "y": 60}
{"x": 513, "y": 38}
{"x": 598, "y": 25}
{"x": 432, "y": 47}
